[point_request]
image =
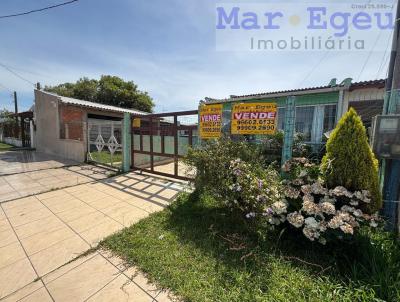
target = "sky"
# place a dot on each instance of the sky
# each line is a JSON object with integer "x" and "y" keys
{"x": 167, "y": 47}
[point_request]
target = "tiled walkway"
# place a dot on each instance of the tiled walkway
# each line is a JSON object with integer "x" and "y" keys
{"x": 34, "y": 182}
{"x": 12, "y": 162}
{"x": 40, "y": 234}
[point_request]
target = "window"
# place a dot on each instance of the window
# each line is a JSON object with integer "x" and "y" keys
{"x": 304, "y": 121}
{"x": 329, "y": 117}
{"x": 281, "y": 118}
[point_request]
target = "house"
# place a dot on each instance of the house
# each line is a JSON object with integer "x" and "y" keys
{"x": 318, "y": 108}
{"x": 63, "y": 123}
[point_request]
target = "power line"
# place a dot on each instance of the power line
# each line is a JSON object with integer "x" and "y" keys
{"x": 320, "y": 61}
{"x": 5, "y": 87}
{"x": 16, "y": 74}
{"x": 38, "y": 10}
{"x": 384, "y": 57}
{"x": 314, "y": 68}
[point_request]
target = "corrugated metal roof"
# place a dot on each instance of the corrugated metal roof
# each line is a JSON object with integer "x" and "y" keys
{"x": 365, "y": 84}
{"x": 87, "y": 104}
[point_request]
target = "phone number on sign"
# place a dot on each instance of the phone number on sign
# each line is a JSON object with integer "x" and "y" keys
{"x": 259, "y": 128}
{"x": 255, "y": 122}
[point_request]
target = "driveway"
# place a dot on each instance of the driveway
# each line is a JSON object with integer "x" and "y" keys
{"x": 12, "y": 162}
{"x": 24, "y": 173}
{"x": 44, "y": 241}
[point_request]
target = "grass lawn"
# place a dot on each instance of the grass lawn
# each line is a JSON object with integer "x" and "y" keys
{"x": 202, "y": 254}
{"x": 5, "y": 147}
{"x": 105, "y": 157}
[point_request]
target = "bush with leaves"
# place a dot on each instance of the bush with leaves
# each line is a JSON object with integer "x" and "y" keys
{"x": 349, "y": 160}
{"x": 320, "y": 212}
{"x": 251, "y": 189}
{"x": 212, "y": 160}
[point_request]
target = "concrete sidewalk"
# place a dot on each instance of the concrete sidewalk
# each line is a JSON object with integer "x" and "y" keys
{"x": 34, "y": 182}
{"x": 40, "y": 234}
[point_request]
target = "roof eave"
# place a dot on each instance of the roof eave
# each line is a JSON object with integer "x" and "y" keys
{"x": 276, "y": 95}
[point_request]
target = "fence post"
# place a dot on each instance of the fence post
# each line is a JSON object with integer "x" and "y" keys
{"x": 290, "y": 119}
{"x": 126, "y": 143}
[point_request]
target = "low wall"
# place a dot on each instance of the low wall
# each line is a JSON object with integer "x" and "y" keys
{"x": 12, "y": 141}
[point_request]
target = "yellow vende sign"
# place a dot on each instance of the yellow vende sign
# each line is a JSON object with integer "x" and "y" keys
{"x": 210, "y": 118}
{"x": 254, "y": 118}
{"x": 136, "y": 123}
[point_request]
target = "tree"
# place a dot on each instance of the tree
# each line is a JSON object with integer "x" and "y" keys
{"x": 6, "y": 115}
{"x": 349, "y": 160}
{"x": 109, "y": 90}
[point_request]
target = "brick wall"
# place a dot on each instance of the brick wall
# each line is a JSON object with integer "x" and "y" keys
{"x": 71, "y": 122}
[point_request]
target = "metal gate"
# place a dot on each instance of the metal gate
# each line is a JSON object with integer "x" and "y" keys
{"x": 159, "y": 141}
{"x": 105, "y": 142}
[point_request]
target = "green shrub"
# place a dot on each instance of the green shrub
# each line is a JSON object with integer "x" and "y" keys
{"x": 212, "y": 160}
{"x": 251, "y": 189}
{"x": 349, "y": 160}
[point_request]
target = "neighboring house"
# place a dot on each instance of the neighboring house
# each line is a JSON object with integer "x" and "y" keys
{"x": 61, "y": 123}
{"x": 319, "y": 108}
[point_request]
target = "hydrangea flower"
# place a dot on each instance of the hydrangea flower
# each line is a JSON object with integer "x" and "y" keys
{"x": 347, "y": 228}
{"x": 311, "y": 233}
{"x": 328, "y": 208}
{"x": 279, "y": 207}
{"x": 295, "y": 219}
{"x": 341, "y": 191}
{"x": 291, "y": 192}
{"x": 250, "y": 215}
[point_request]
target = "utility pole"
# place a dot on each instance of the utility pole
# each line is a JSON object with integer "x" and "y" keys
{"x": 15, "y": 103}
{"x": 392, "y": 106}
{"x": 16, "y": 114}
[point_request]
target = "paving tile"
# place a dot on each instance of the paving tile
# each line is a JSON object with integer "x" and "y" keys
{"x": 7, "y": 237}
{"x": 47, "y": 224}
{"x": 43, "y": 240}
{"x": 10, "y": 254}
{"x": 24, "y": 292}
{"x": 57, "y": 199}
{"x": 126, "y": 214}
{"x": 41, "y": 295}
{"x": 55, "y": 256}
{"x": 30, "y": 217}
{"x": 65, "y": 205}
{"x": 99, "y": 232}
{"x": 140, "y": 279}
{"x": 9, "y": 196}
{"x": 15, "y": 276}
{"x": 22, "y": 209}
{"x": 132, "y": 192}
{"x": 114, "y": 259}
{"x": 6, "y": 188}
{"x": 76, "y": 213}
{"x": 91, "y": 196}
{"x": 168, "y": 193}
{"x": 4, "y": 225}
{"x": 62, "y": 270}
{"x": 83, "y": 281}
{"x": 121, "y": 289}
{"x": 56, "y": 193}
{"x": 105, "y": 202}
{"x": 88, "y": 221}
{"x": 153, "y": 189}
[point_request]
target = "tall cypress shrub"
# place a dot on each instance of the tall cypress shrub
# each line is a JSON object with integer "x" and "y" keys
{"x": 349, "y": 160}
